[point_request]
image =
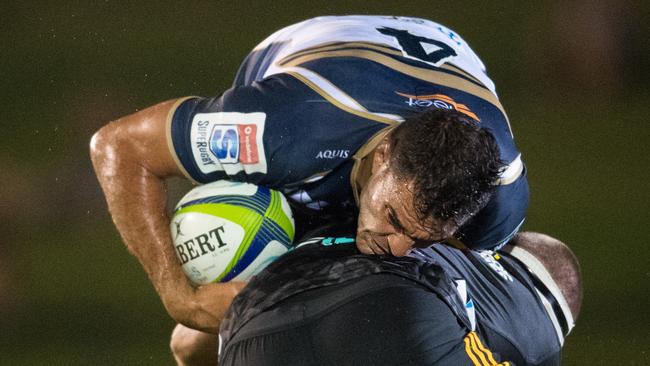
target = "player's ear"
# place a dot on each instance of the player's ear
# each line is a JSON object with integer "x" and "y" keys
{"x": 381, "y": 154}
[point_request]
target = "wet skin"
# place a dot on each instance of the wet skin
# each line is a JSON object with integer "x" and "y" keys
{"x": 388, "y": 223}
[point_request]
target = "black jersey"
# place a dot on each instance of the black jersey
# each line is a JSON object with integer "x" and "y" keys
{"x": 482, "y": 313}
{"x": 314, "y": 99}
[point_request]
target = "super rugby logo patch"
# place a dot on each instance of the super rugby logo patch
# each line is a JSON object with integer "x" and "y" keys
{"x": 224, "y": 143}
{"x": 229, "y": 141}
{"x": 232, "y": 144}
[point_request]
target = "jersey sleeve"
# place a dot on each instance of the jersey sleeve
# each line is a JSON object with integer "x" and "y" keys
{"x": 216, "y": 138}
{"x": 277, "y": 132}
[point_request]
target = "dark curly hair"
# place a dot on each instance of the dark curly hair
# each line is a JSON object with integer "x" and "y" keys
{"x": 452, "y": 163}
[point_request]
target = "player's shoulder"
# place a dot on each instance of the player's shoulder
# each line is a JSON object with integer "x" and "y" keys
{"x": 274, "y": 91}
{"x": 280, "y": 100}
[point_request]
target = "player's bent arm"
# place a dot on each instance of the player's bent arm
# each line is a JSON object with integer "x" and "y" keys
{"x": 132, "y": 160}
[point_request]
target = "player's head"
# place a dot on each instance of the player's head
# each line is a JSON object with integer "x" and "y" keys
{"x": 558, "y": 260}
{"x": 429, "y": 176}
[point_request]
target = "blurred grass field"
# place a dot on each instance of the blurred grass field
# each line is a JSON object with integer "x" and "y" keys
{"x": 70, "y": 294}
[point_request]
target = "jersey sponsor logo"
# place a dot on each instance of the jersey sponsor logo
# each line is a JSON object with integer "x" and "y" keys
{"x": 333, "y": 154}
{"x": 229, "y": 141}
{"x": 438, "y": 101}
{"x": 329, "y": 241}
{"x": 491, "y": 258}
{"x": 247, "y": 144}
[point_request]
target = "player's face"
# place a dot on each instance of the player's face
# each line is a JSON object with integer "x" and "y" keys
{"x": 387, "y": 220}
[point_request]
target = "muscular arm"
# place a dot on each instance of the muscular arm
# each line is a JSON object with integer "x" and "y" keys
{"x": 132, "y": 160}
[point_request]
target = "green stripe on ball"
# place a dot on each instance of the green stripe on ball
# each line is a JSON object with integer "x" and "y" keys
{"x": 277, "y": 214}
{"x": 242, "y": 216}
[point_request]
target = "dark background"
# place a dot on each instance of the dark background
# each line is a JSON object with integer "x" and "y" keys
{"x": 572, "y": 75}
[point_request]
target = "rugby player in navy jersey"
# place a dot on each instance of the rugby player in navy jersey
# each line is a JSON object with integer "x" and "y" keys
{"x": 314, "y": 112}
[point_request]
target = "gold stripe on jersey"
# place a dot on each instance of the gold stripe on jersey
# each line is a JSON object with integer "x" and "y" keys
{"x": 512, "y": 172}
{"x": 481, "y": 348}
{"x": 479, "y": 354}
{"x": 322, "y": 84}
{"x": 451, "y": 67}
{"x": 361, "y": 112}
{"x": 170, "y": 142}
{"x": 470, "y": 352}
{"x": 432, "y": 76}
{"x": 339, "y": 46}
{"x": 454, "y": 68}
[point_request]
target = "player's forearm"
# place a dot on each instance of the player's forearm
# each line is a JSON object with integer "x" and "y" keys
{"x": 136, "y": 200}
{"x": 132, "y": 160}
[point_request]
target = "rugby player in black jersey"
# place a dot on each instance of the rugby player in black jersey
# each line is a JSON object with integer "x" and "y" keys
{"x": 445, "y": 306}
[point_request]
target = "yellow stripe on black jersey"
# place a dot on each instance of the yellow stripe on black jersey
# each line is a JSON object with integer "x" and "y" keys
{"x": 477, "y": 352}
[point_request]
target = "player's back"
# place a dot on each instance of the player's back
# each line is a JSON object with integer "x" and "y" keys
{"x": 383, "y": 68}
{"x": 507, "y": 301}
{"x": 477, "y": 304}
{"x": 326, "y": 86}
{"x": 419, "y": 39}
{"x": 376, "y": 69}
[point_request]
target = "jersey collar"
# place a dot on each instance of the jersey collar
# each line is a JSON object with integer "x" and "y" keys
{"x": 362, "y": 168}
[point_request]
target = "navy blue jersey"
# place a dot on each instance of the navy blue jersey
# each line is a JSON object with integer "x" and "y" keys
{"x": 314, "y": 99}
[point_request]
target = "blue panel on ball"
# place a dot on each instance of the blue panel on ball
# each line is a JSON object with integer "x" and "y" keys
{"x": 255, "y": 248}
{"x": 273, "y": 231}
{"x": 268, "y": 231}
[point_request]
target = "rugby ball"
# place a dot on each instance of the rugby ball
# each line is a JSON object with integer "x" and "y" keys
{"x": 225, "y": 230}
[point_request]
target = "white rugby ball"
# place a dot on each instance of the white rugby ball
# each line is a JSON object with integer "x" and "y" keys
{"x": 225, "y": 230}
